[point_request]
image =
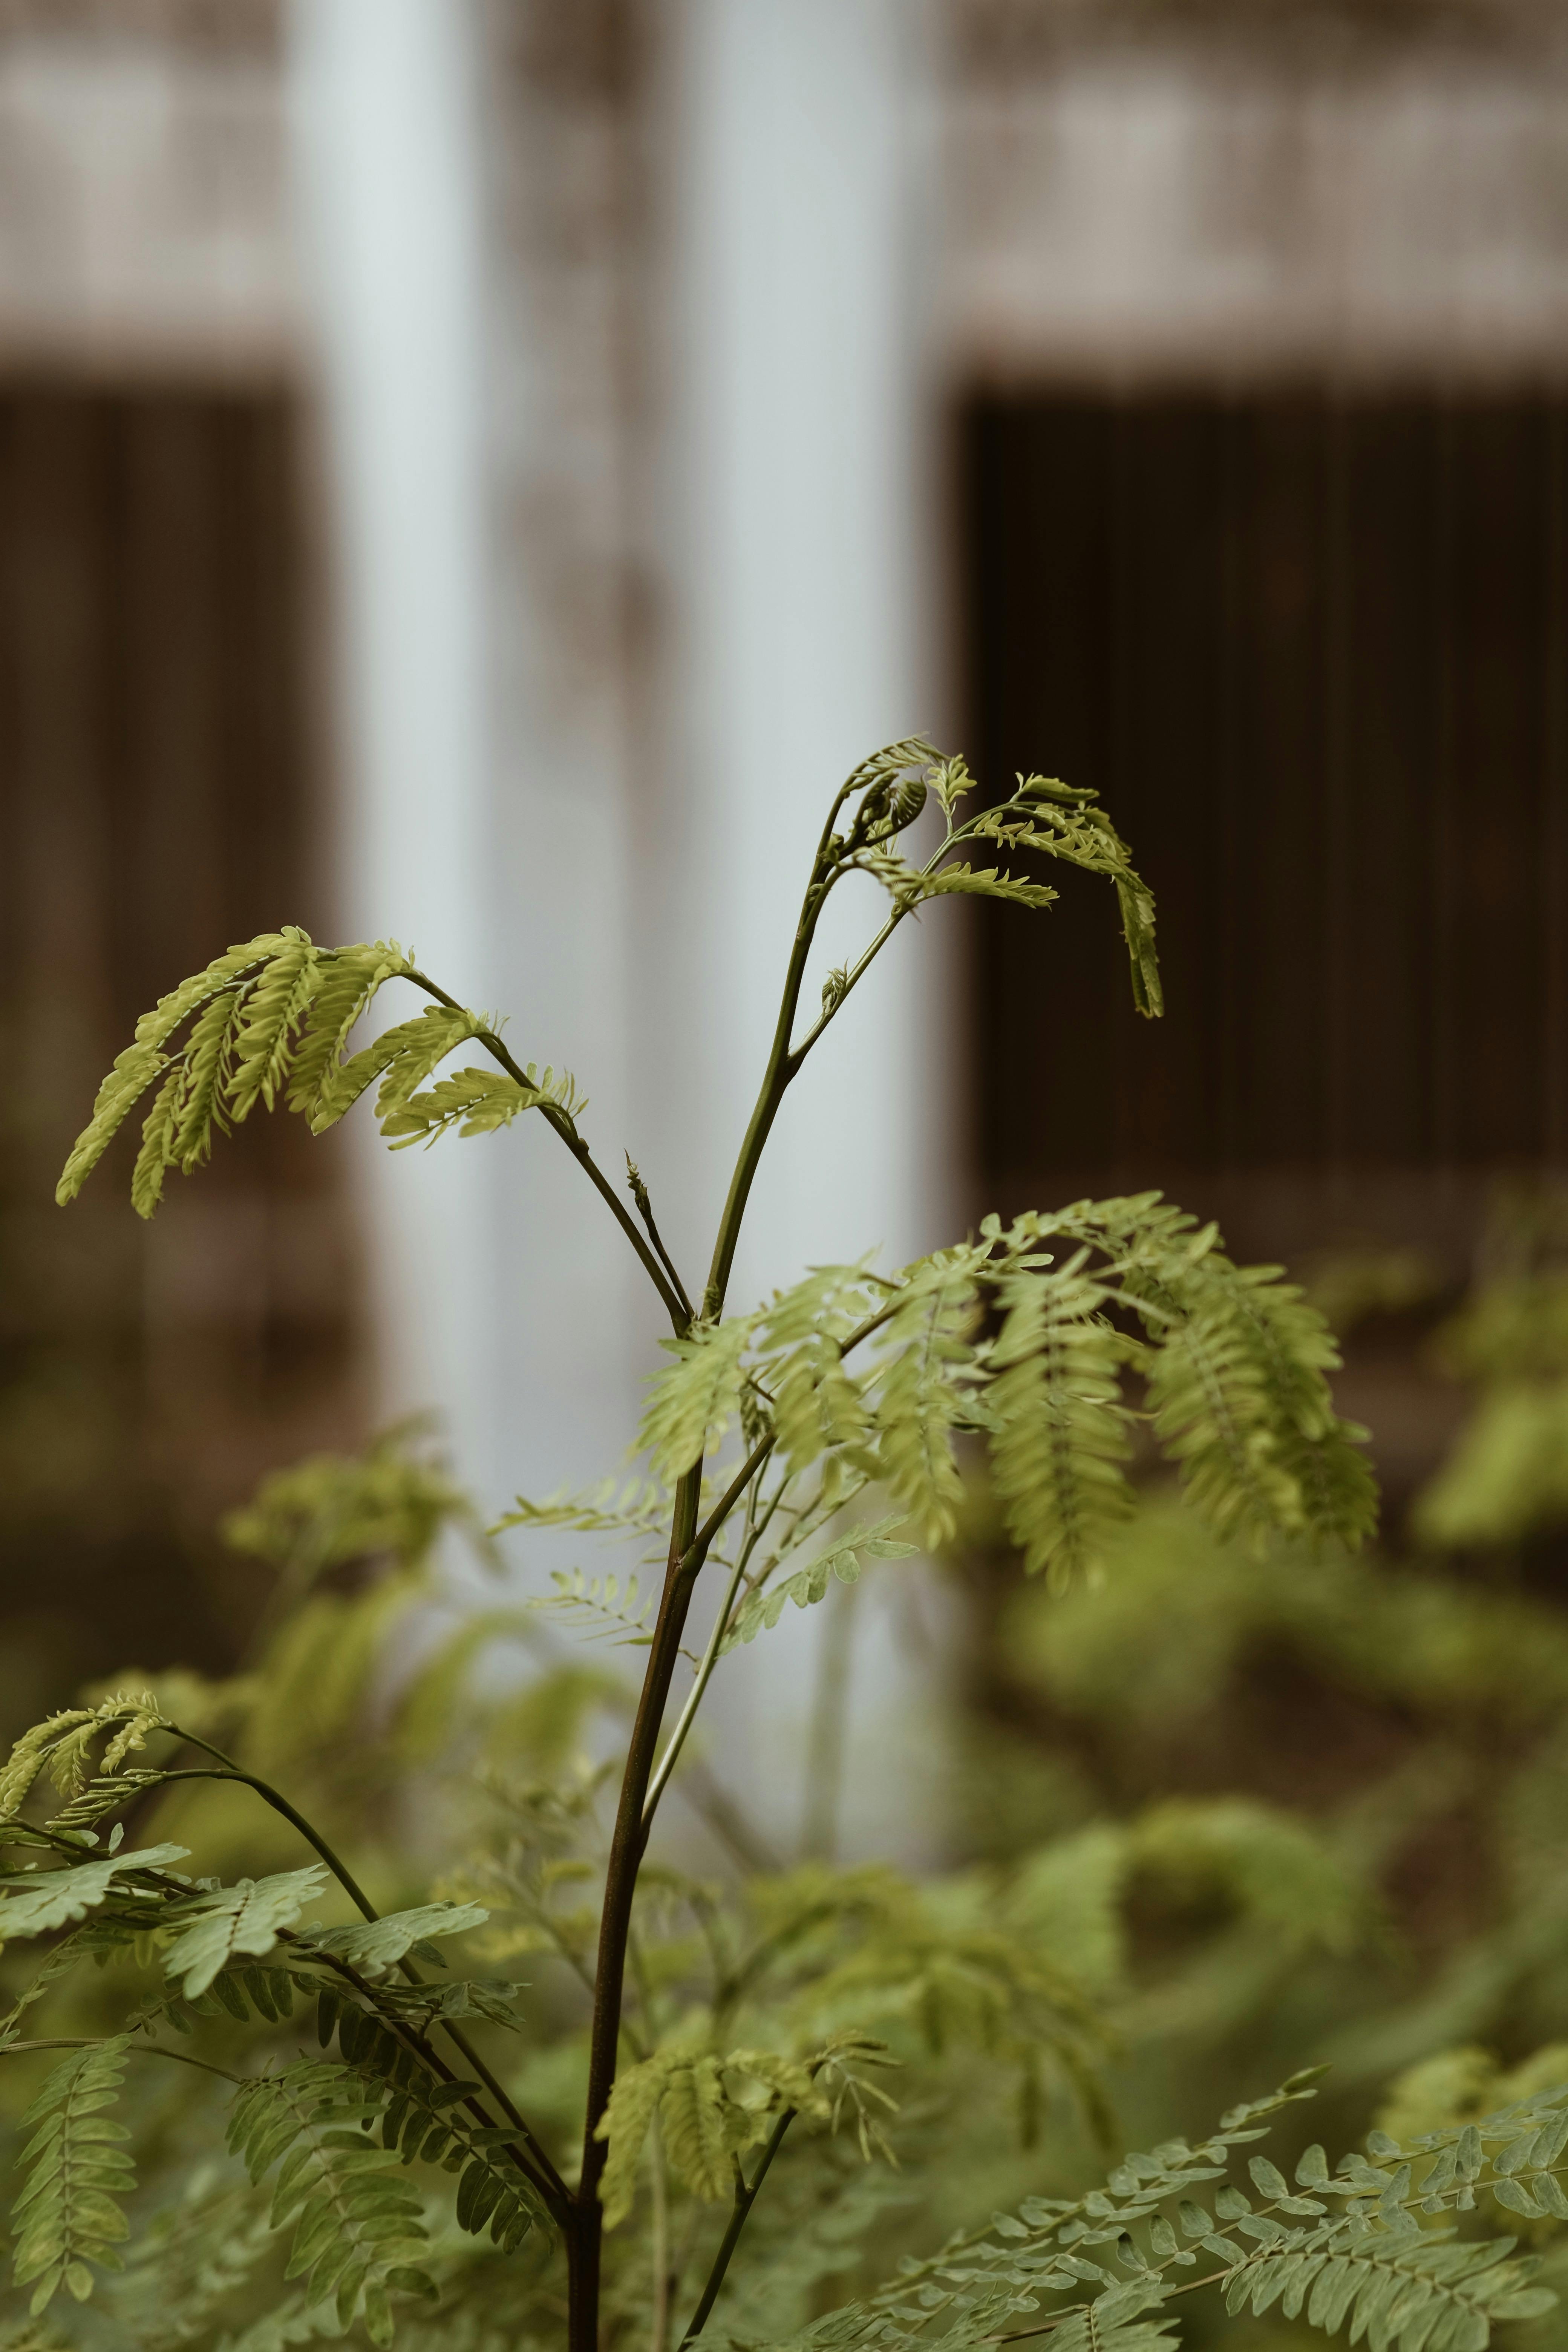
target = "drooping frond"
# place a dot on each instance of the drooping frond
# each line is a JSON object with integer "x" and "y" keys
{"x": 400, "y": 1057}
{"x": 1059, "y": 1420}
{"x": 144, "y": 1059}
{"x": 1239, "y": 1398}
{"x": 350, "y": 979}
{"x": 357, "y": 2224}
{"x": 270, "y": 1021}
{"x": 425, "y": 2119}
{"x": 1064, "y": 822}
{"x": 62, "y": 1747}
{"x": 69, "y": 2218}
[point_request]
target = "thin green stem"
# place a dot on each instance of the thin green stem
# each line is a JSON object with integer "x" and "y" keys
{"x": 280, "y": 1804}
{"x": 678, "y": 1312}
{"x": 639, "y": 1192}
{"x": 659, "y": 2251}
{"x": 356, "y": 1893}
{"x": 739, "y": 1484}
{"x": 824, "y": 1747}
{"x": 132, "y": 2048}
{"x": 687, "y": 1549}
{"x": 745, "y": 2198}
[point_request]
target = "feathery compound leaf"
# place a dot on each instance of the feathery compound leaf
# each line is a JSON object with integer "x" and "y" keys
{"x": 144, "y": 1060}
{"x": 925, "y": 1355}
{"x": 156, "y": 1154}
{"x": 761, "y": 1610}
{"x": 478, "y": 1102}
{"x": 35, "y": 1902}
{"x": 356, "y": 2217}
{"x": 692, "y": 1402}
{"x": 68, "y": 2216}
{"x": 273, "y": 1011}
{"x": 1059, "y": 1422}
{"x": 709, "y": 2110}
{"x": 1241, "y": 1404}
{"x": 61, "y": 1746}
{"x": 908, "y": 887}
{"x": 372, "y": 1945}
{"x": 237, "y": 1919}
{"x": 634, "y": 1507}
{"x": 402, "y": 1057}
{"x": 349, "y": 981}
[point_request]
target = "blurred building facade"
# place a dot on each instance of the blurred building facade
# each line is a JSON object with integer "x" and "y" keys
{"x": 664, "y": 405}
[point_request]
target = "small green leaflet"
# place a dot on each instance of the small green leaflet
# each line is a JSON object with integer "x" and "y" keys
{"x": 32, "y": 1902}
{"x": 238, "y": 1919}
{"x": 763, "y": 1609}
{"x": 372, "y": 1945}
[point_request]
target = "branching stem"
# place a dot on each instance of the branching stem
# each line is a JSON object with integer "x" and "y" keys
{"x": 745, "y": 2198}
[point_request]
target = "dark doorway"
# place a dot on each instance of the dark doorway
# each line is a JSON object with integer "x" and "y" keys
{"x": 156, "y": 803}
{"x": 1311, "y": 650}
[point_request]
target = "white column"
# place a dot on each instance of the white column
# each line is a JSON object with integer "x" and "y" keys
{"x": 483, "y": 819}
{"x": 798, "y": 503}
{"x": 388, "y": 214}
{"x": 798, "y": 518}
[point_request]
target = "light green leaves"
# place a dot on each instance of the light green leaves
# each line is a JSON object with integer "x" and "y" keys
{"x": 1024, "y": 1339}
{"x": 1240, "y": 1402}
{"x": 237, "y": 1920}
{"x": 475, "y": 1102}
{"x": 61, "y": 1746}
{"x": 1040, "y": 815}
{"x": 909, "y": 885}
{"x": 402, "y": 1058}
{"x": 691, "y": 1404}
{"x": 1062, "y": 820}
{"x": 373, "y": 1945}
{"x": 144, "y": 1059}
{"x": 269, "y": 1020}
{"x": 841, "y": 1564}
{"x": 35, "y": 1902}
{"x": 709, "y": 2110}
{"x": 68, "y": 2216}
{"x": 1059, "y": 1420}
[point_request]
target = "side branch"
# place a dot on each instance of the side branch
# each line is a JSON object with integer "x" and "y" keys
{"x": 745, "y": 2198}
{"x": 679, "y": 1315}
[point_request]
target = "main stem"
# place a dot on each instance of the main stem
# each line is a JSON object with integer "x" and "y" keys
{"x": 685, "y": 1561}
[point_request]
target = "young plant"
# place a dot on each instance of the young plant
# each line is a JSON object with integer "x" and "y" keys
{"x": 785, "y": 1444}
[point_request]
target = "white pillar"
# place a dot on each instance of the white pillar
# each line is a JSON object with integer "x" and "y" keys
{"x": 797, "y": 509}
{"x": 389, "y": 228}
{"x": 800, "y": 635}
{"x": 474, "y": 825}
